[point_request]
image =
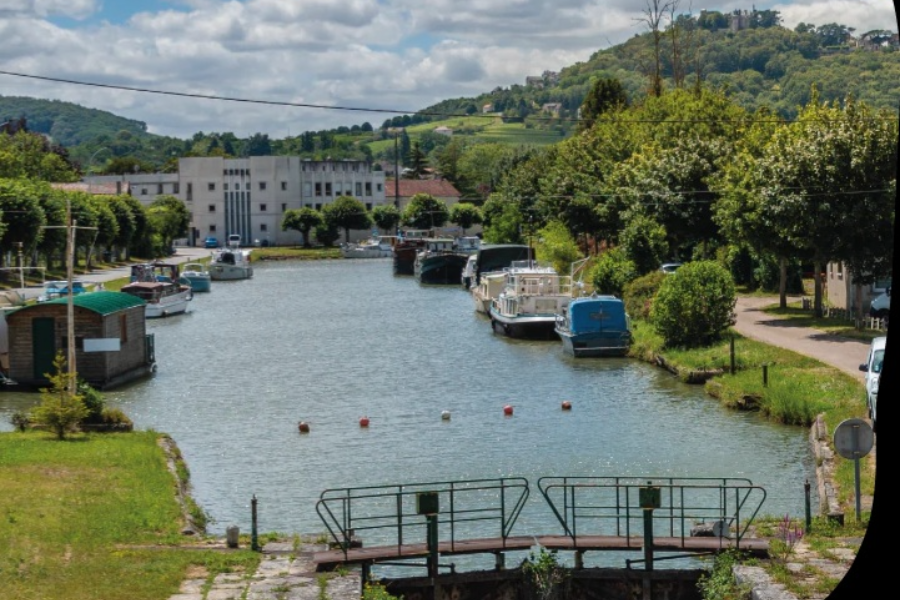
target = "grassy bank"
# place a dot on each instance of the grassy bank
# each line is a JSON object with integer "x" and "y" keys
{"x": 792, "y": 389}
{"x": 94, "y": 517}
{"x": 295, "y": 252}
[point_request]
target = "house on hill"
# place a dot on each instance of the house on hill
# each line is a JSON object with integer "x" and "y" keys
{"x": 112, "y": 345}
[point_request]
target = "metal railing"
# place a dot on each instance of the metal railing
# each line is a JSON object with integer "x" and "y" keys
{"x": 391, "y": 515}
{"x": 612, "y": 506}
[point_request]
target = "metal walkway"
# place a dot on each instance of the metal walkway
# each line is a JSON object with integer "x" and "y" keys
{"x": 647, "y": 514}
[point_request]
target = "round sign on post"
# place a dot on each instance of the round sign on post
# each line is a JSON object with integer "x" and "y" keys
{"x": 853, "y": 438}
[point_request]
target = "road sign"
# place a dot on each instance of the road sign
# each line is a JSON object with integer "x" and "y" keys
{"x": 853, "y": 438}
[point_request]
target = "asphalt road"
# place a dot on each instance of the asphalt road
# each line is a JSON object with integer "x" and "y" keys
{"x": 843, "y": 353}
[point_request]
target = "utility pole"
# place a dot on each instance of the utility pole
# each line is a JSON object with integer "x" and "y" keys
{"x": 396, "y": 170}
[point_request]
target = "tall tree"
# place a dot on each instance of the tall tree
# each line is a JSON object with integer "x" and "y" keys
{"x": 347, "y": 213}
{"x": 465, "y": 214}
{"x": 302, "y": 220}
{"x": 424, "y": 211}
{"x": 386, "y": 217}
{"x": 606, "y": 94}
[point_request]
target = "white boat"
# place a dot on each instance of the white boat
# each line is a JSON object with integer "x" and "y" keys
{"x": 381, "y": 246}
{"x": 468, "y": 272}
{"x": 60, "y": 289}
{"x": 489, "y": 287}
{"x": 532, "y": 297}
{"x": 230, "y": 263}
{"x": 198, "y": 277}
{"x": 160, "y": 286}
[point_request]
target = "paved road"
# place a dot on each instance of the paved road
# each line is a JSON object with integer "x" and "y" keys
{"x": 843, "y": 353}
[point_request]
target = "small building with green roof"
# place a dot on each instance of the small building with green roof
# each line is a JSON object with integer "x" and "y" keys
{"x": 112, "y": 345}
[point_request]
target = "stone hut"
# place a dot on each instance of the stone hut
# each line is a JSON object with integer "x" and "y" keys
{"x": 111, "y": 341}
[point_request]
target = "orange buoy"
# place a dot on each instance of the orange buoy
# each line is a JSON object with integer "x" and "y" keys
{"x": 303, "y": 427}
{"x": 566, "y": 405}
{"x": 364, "y": 421}
{"x": 508, "y": 410}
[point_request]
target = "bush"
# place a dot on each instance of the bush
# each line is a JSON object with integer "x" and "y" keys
{"x": 695, "y": 306}
{"x": 59, "y": 411}
{"x": 639, "y": 294}
{"x": 116, "y": 419}
{"x": 20, "y": 420}
{"x": 612, "y": 271}
{"x": 93, "y": 402}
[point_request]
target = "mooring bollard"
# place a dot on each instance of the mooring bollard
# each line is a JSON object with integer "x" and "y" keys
{"x": 254, "y": 541}
{"x": 232, "y": 534}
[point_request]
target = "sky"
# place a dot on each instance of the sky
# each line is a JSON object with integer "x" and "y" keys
{"x": 396, "y": 56}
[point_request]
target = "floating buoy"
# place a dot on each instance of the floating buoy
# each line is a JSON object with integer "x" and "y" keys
{"x": 445, "y": 415}
{"x": 364, "y": 421}
{"x": 566, "y": 405}
{"x": 303, "y": 427}
{"x": 508, "y": 410}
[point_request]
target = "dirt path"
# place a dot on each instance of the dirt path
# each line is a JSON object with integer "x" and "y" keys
{"x": 843, "y": 353}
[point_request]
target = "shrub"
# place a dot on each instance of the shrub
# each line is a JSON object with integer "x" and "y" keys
{"x": 59, "y": 411}
{"x": 116, "y": 419}
{"x": 93, "y": 402}
{"x": 612, "y": 272}
{"x": 719, "y": 583}
{"x": 695, "y": 306}
{"x": 20, "y": 420}
{"x": 639, "y": 294}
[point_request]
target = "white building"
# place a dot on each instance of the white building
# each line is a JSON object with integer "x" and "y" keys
{"x": 249, "y": 196}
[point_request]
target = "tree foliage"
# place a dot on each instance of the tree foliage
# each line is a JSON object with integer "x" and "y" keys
{"x": 60, "y": 410}
{"x": 556, "y": 246}
{"x": 694, "y": 307}
{"x": 465, "y": 214}
{"x": 424, "y": 211}
{"x": 347, "y": 213}
{"x": 612, "y": 272}
{"x": 386, "y": 217}
{"x": 302, "y": 220}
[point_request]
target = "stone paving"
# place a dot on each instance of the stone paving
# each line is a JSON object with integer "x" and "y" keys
{"x": 283, "y": 574}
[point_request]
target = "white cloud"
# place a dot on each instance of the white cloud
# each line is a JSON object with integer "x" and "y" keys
{"x": 387, "y": 54}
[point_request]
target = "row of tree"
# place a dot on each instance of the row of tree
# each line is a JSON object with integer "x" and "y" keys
{"x": 690, "y": 174}
{"x": 424, "y": 211}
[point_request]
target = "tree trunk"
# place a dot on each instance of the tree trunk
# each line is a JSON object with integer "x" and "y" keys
{"x": 860, "y": 314}
{"x": 817, "y": 278}
{"x": 782, "y": 282}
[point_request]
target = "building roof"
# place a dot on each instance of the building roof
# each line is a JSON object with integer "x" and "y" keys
{"x": 102, "y": 303}
{"x": 440, "y": 188}
{"x": 101, "y": 189}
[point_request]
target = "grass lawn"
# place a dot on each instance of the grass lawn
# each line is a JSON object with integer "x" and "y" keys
{"x": 294, "y": 252}
{"x": 94, "y": 518}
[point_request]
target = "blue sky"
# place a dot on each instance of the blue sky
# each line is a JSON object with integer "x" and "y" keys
{"x": 384, "y": 54}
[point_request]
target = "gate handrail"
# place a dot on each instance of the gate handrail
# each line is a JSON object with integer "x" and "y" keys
{"x": 731, "y": 502}
{"x": 391, "y": 508}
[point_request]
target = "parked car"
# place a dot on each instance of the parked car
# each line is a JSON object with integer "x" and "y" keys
{"x": 210, "y": 242}
{"x": 872, "y": 369}
{"x": 881, "y": 305}
{"x": 670, "y": 268}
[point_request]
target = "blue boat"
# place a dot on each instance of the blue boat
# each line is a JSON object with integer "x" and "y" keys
{"x": 595, "y": 326}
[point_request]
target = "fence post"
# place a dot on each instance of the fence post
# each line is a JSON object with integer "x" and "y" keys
{"x": 765, "y": 375}
{"x": 732, "y": 354}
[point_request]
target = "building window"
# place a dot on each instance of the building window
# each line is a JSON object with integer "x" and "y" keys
{"x": 307, "y": 189}
{"x": 159, "y": 188}
{"x": 358, "y": 189}
{"x": 318, "y": 189}
{"x": 284, "y": 186}
{"x": 212, "y": 208}
{"x": 225, "y": 186}
{"x": 368, "y": 188}
{"x": 262, "y": 185}
{"x": 263, "y": 227}
{"x": 212, "y": 228}
{"x": 338, "y": 189}
{"x": 123, "y": 329}
{"x": 263, "y": 208}
{"x": 368, "y": 206}
{"x": 328, "y": 188}
{"x": 248, "y": 186}
{"x": 190, "y": 192}
{"x": 378, "y": 187}
{"x": 176, "y": 188}
{"x": 211, "y": 187}
{"x": 143, "y": 191}
{"x": 318, "y": 206}
{"x": 283, "y": 207}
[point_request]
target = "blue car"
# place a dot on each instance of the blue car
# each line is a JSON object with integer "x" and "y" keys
{"x": 210, "y": 242}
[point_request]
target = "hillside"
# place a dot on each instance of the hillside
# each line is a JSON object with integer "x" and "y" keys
{"x": 768, "y": 65}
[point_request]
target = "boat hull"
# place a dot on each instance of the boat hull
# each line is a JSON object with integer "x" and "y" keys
{"x": 199, "y": 283}
{"x": 442, "y": 269}
{"x": 405, "y": 256}
{"x": 532, "y": 327}
{"x": 594, "y": 344}
{"x": 225, "y": 272}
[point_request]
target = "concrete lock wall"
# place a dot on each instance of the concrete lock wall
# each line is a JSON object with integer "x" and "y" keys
{"x": 582, "y": 584}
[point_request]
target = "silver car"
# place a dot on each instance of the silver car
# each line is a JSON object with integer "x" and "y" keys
{"x": 872, "y": 369}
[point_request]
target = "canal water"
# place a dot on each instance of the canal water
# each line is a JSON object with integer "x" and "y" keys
{"x": 328, "y": 342}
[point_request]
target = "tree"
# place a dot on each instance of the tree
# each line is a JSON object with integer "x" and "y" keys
{"x": 348, "y": 213}
{"x": 60, "y": 410}
{"x": 416, "y": 162}
{"x": 126, "y": 224}
{"x": 612, "y": 272}
{"x": 302, "y": 220}
{"x": 605, "y": 95}
{"x": 386, "y": 217}
{"x": 21, "y": 214}
{"x": 644, "y": 243}
{"x": 695, "y": 306}
{"x": 465, "y": 214}
{"x": 326, "y": 233}
{"x": 424, "y": 211}
{"x": 169, "y": 218}
{"x": 556, "y": 245}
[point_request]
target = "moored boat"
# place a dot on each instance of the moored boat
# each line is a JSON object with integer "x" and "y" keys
{"x": 489, "y": 287}
{"x": 439, "y": 262}
{"x": 496, "y": 257}
{"x": 381, "y": 246}
{"x": 528, "y": 305}
{"x": 230, "y": 263}
{"x": 595, "y": 326}
{"x": 468, "y": 272}
{"x": 197, "y": 277}
{"x": 405, "y": 249}
{"x": 159, "y": 285}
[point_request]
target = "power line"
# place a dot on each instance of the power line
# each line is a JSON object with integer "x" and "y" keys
{"x": 410, "y": 112}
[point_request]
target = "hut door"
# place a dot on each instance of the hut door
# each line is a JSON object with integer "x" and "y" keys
{"x": 43, "y": 336}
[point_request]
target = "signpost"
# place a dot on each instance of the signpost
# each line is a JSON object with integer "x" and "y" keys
{"x": 853, "y": 439}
